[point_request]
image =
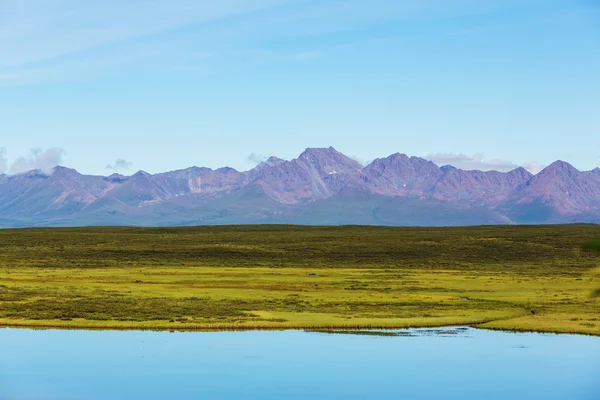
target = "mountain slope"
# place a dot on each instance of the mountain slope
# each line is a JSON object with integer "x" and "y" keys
{"x": 558, "y": 192}
{"x": 400, "y": 175}
{"x": 320, "y": 186}
{"x": 315, "y": 174}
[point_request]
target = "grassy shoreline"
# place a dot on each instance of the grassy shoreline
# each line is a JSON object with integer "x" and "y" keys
{"x": 532, "y": 279}
{"x": 309, "y": 328}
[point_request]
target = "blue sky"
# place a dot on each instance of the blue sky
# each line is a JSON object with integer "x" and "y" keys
{"x": 123, "y": 85}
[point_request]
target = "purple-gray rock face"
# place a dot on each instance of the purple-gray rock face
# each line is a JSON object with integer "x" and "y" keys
{"x": 562, "y": 188}
{"x": 321, "y": 186}
{"x": 399, "y": 175}
{"x": 478, "y": 187}
{"x": 594, "y": 173}
{"x": 316, "y": 174}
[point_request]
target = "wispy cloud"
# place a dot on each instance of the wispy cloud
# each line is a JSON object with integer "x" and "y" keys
{"x": 534, "y": 167}
{"x": 478, "y": 162}
{"x": 44, "y": 160}
{"x": 119, "y": 164}
{"x": 256, "y": 158}
{"x": 58, "y": 40}
{"x": 38, "y": 37}
{"x": 362, "y": 161}
{"x": 3, "y": 160}
{"x": 34, "y": 31}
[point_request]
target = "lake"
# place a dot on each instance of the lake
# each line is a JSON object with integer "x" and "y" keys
{"x": 446, "y": 363}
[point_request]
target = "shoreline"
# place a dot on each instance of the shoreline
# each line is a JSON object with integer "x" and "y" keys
{"x": 308, "y": 328}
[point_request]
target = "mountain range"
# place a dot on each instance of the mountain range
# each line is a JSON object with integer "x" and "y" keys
{"x": 322, "y": 187}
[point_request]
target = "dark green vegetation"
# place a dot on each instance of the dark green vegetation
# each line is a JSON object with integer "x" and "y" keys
{"x": 506, "y": 277}
{"x": 594, "y": 245}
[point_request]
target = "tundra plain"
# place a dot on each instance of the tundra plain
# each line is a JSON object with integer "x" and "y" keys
{"x": 522, "y": 278}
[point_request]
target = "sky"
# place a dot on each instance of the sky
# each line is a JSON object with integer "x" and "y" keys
{"x": 157, "y": 85}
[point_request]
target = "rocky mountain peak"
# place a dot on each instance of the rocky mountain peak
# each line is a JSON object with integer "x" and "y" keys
{"x": 448, "y": 168}
{"x": 59, "y": 170}
{"x": 318, "y": 176}
{"x": 326, "y": 161}
{"x": 559, "y": 167}
{"x": 141, "y": 174}
{"x": 225, "y": 170}
{"x": 115, "y": 178}
{"x": 321, "y": 156}
{"x": 272, "y": 161}
{"x": 519, "y": 175}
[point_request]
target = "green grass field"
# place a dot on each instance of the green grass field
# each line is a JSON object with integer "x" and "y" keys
{"x": 270, "y": 277}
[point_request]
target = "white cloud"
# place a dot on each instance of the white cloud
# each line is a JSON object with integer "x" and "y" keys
{"x": 362, "y": 161}
{"x": 255, "y": 158}
{"x": 44, "y": 160}
{"x": 119, "y": 164}
{"x": 534, "y": 167}
{"x": 3, "y": 160}
{"x": 478, "y": 162}
{"x": 471, "y": 162}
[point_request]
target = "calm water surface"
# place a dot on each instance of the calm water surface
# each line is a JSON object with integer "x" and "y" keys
{"x": 453, "y": 363}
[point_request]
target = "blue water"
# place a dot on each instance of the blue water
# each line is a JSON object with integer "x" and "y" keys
{"x": 457, "y": 363}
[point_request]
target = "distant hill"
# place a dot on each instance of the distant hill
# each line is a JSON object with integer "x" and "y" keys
{"x": 322, "y": 187}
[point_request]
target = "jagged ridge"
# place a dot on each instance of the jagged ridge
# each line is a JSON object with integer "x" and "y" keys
{"x": 321, "y": 186}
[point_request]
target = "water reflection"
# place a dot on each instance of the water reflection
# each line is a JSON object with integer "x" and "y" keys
{"x": 458, "y": 331}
